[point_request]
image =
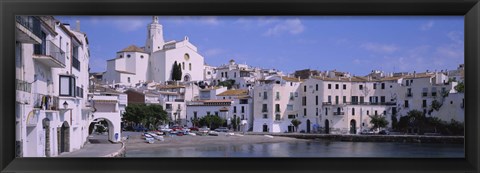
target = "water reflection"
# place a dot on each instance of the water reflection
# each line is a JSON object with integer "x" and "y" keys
{"x": 316, "y": 148}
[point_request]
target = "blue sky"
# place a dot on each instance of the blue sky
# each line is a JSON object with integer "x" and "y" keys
{"x": 356, "y": 44}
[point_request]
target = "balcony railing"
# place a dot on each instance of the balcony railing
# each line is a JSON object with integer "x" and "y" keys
{"x": 338, "y": 113}
{"x": 45, "y": 102}
{"x": 23, "y": 86}
{"x": 179, "y": 100}
{"x": 31, "y": 23}
{"x": 54, "y": 52}
{"x": 75, "y": 63}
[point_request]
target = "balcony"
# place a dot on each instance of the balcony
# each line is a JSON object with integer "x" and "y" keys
{"x": 45, "y": 102}
{"x": 326, "y": 103}
{"x": 54, "y": 57}
{"x": 408, "y": 95}
{"x": 338, "y": 113}
{"x": 23, "y": 86}
{"x": 75, "y": 63}
{"x": 28, "y": 29}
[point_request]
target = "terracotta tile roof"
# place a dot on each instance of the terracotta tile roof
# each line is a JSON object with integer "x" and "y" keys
{"x": 170, "y": 86}
{"x": 420, "y": 75}
{"x": 132, "y": 48}
{"x": 291, "y": 79}
{"x": 238, "y": 92}
{"x": 216, "y": 101}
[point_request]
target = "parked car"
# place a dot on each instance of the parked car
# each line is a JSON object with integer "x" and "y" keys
{"x": 383, "y": 132}
{"x": 193, "y": 128}
{"x": 140, "y": 129}
{"x": 221, "y": 129}
{"x": 177, "y": 128}
{"x": 367, "y": 132}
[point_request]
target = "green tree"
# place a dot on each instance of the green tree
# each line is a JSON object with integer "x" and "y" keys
{"x": 436, "y": 105}
{"x": 296, "y": 123}
{"x": 235, "y": 123}
{"x": 176, "y": 71}
{"x": 195, "y": 121}
{"x": 227, "y": 83}
{"x": 148, "y": 115}
{"x": 460, "y": 87}
{"x": 378, "y": 121}
{"x": 211, "y": 121}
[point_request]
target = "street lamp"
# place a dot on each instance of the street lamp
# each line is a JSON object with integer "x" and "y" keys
{"x": 65, "y": 105}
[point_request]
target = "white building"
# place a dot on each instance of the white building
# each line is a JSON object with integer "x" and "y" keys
{"x": 52, "y": 77}
{"x": 155, "y": 60}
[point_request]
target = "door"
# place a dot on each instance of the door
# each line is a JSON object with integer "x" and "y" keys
{"x": 327, "y": 127}
{"x": 308, "y": 126}
{"x": 265, "y": 128}
{"x": 353, "y": 127}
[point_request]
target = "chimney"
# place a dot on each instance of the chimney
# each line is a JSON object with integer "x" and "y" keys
{"x": 78, "y": 25}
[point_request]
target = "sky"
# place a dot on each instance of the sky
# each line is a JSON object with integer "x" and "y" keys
{"x": 355, "y": 44}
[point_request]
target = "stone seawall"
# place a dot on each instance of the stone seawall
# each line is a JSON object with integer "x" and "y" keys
{"x": 119, "y": 153}
{"x": 374, "y": 138}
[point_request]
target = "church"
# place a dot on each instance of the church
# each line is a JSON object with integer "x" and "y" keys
{"x": 154, "y": 61}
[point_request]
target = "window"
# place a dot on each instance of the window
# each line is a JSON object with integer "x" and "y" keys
{"x": 190, "y": 67}
{"x": 265, "y": 95}
{"x": 216, "y": 113}
{"x": 234, "y": 109}
{"x": 128, "y": 55}
{"x": 406, "y": 104}
{"x": 208, "y": 112}
{"x": 344, "y": 86}
{"x": 277, "y": 107}
{"x": 277, "y": 117}
{"x": 344, "y": 99}
{"x": 329, "y": 99}
{"x": 424, "y": 103}
{"x": 264, "y": 108}
{"x": 291, "y": 96}
{"x": 374, "y": 86}
{"x": 290, "y": 107}
{"x": 326, "y": 111}
{"x": 305, "y": 88}
{"x": 336, "y": 100}
{"x": 304, "y": 101}
{"x": 243, "y": 109}
{"x": 304, "y": 111}
{"x": 316, "y": 100}
{"x": 265, "y": 116}
{"x": 183, "y": 65}
{"x": 384, "y": 112}
{"x": 222, "y": 74}
{"x": 277, "y": 95}
{"x": 336, "y": 86}
{"x": 353, "y": 111}
{"x": 316, "y": 87}
{"x": 360, "y": 87}
{"x": 207, "y": 72}
{"x": 329, "y": 86}
{"x": 141, "y": 56}
{"x": 383, "y": 86}
{"x": 195, "y": 114}
{"x": 67, "y": 86}
{"x": 260, "y": 94}
{"x": 382, "y": 99}
{"x": 291, "y": 116}
{"x": 234, "y": 74}
{"x": 362, "y": 99}
{"x": 376, "y": 113}
{"x": 368, "y": 112}
{"x": 128, "y": 79}
{"x": 408, "y": 83}
{"x": 316, "y": 112}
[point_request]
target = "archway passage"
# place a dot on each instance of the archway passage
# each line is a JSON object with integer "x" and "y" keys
{"x": 64, "y": 136}
{"x": 327, "y": 127}
{"x": 353, "y": 127}
{"x": 308, "y": 126}
{"x": 105, "y": 128}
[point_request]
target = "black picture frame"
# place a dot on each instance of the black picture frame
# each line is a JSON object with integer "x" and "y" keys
{"x": 9, "y": 8}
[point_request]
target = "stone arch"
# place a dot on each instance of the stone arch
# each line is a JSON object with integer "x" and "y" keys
{"x": 353, "y": 126}
{"x": 113, "y": 122}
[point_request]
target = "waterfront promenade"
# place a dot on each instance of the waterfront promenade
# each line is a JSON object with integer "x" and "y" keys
{"x": 97, "y": 146}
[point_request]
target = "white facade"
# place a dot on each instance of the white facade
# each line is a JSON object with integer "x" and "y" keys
{"x": 154, "y": 61}
{"x": 52, "y": 81}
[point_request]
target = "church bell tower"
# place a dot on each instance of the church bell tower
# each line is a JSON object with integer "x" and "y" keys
{"x": 155, "y": 40}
